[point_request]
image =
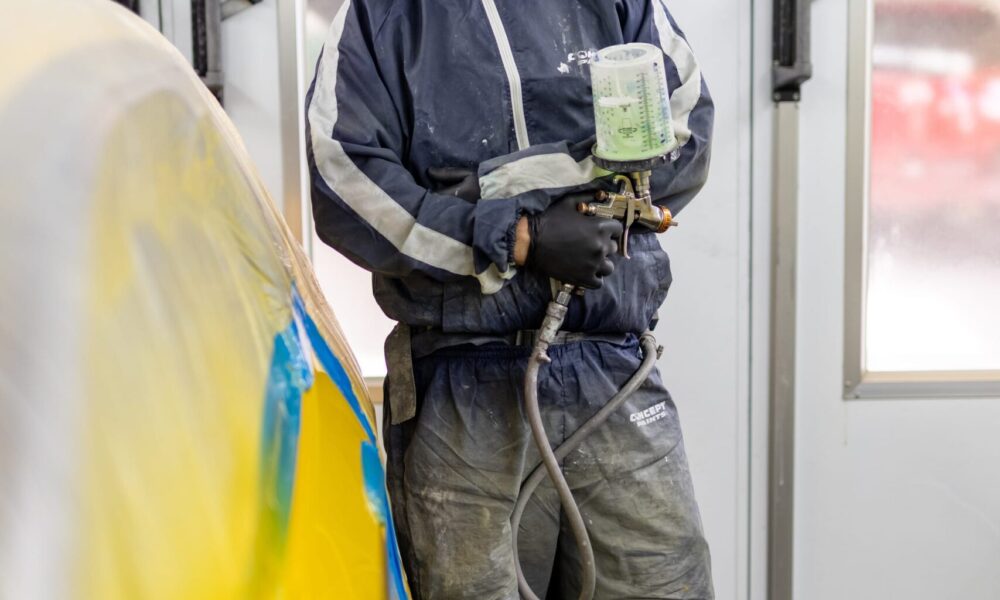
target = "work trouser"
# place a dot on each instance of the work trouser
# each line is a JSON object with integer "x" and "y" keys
{"x": 454, "y": 472}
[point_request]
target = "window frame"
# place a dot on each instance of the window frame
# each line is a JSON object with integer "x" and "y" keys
{"x": 860, "y": 383}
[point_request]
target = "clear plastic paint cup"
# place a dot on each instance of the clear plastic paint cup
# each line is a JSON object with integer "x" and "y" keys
{"x": 631, "y": 103}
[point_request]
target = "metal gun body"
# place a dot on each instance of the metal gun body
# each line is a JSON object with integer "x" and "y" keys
{"x": 632, "y": 204}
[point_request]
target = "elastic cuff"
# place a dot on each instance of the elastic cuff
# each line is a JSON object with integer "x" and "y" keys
{"x": 495, "y": 228}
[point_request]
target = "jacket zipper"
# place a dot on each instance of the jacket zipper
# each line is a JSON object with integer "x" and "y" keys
{"x": 513, "y": 77}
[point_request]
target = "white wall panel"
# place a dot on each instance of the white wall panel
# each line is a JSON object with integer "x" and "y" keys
{"x": 252, "y": 99}
{"x": 705, "y": 321}
{"x": 894, "y": 499}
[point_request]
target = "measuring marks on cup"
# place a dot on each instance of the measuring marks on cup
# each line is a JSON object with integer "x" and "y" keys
{"x": 631, "y": 103}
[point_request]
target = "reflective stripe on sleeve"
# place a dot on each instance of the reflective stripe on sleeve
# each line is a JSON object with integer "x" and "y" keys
{"x": 539, "y": 172}
{"x": 369, "y": 201}
{"x": 685, "y": 98}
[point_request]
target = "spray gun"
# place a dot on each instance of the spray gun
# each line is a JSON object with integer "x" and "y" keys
{"x": 632, "y": 204}
{"x": 634, "y": 136}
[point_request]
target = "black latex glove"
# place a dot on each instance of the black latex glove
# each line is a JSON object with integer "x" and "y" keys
{"x": 463, "y": 183}
{"x": 571, "y": 247}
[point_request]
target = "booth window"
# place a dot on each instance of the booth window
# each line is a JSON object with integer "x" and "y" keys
{"x": 923, "y": 257}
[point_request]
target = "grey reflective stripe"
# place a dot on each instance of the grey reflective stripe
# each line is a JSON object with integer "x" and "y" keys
{"x": 539, "y": 172}
{"x": 513, "y": 77}
{"x": 366, "y": 198}
{"x": 683, "y": 99}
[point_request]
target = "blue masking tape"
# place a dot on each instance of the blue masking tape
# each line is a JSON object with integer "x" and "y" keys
{"x": 331, "y": 364}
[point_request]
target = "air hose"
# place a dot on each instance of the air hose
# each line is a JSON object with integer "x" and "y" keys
{"x": 554, "y": 317}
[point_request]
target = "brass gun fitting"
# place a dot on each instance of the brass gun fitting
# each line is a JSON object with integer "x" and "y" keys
{"x": 628, "y": 207}
{"x": 615, "y": 206}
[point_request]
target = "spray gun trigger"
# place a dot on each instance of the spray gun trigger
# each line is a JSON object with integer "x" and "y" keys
{"x": 623, "y": 247}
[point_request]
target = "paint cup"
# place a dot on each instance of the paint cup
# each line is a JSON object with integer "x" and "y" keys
{"x": 631, "y": 103}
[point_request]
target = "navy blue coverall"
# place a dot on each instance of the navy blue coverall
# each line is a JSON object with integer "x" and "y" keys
{"x": 502, "y": 87}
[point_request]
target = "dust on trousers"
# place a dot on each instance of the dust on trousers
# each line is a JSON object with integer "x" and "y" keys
{"x": 455, "y": 470}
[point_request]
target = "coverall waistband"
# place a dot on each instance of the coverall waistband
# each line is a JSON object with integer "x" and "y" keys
{"x": 424, "y": 343}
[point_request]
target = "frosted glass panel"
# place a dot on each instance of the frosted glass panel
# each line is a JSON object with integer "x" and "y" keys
{"x": 934, "y": 223}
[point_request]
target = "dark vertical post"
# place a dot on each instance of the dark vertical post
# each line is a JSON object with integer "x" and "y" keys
{"x": 132, "y": 5}
{"x": 792, "y": 34}
{"x": 206, "y": 43}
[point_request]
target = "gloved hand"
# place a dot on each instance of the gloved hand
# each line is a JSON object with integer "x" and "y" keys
{"x": 572, "y": 247}
{"x": 463, "y": 183}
